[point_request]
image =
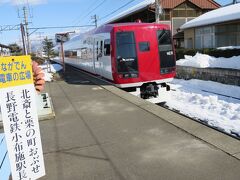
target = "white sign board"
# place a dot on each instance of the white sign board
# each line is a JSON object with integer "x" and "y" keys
{"x": 62, "y": 37}
{"x": 20, "y": 120}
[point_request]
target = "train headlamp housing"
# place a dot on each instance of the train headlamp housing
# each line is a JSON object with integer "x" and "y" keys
{"x": 128, "y": 75}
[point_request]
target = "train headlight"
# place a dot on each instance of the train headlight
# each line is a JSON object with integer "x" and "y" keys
{"x": 128, "y": 75}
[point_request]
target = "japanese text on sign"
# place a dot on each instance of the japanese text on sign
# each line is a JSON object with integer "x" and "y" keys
{"x": 20, "y": 118}
{"x": 13, "y": 72}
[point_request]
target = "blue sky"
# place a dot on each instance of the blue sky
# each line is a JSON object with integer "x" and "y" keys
{"x": 57, "y": 13}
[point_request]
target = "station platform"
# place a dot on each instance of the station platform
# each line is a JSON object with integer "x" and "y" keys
{"x": 103, "y": 133}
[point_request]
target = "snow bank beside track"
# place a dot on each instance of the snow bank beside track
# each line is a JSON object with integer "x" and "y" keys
{"x": 206, "y": 61}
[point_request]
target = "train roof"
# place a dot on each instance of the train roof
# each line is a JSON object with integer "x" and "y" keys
{"x": 132, "y": 24}
{"x": 107, "y": 28}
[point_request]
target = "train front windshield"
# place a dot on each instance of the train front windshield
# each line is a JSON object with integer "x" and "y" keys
{"x": 127, "y": 63}
{"x": 165, "y": 47}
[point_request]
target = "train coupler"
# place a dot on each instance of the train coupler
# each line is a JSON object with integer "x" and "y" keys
{"x": 149, "y": 90}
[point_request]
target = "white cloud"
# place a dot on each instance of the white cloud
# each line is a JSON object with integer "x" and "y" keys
{"x": 22, "y": 2}
{"x": 4, "y": 1}
{"x": 31, "y": 2}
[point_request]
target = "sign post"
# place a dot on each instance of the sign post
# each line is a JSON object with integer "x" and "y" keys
{"x": 62, "y": 52}
{"x": 62, "y": 37}
{"x": 20, "y": 120}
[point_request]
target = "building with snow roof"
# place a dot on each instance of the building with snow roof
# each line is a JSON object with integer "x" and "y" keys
{"x": 4, "y": 50}
{"x": 217, "y": 28}
{"x": 174, "y": 13}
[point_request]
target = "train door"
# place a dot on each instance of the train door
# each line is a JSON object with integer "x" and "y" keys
{"x": 127, "y": 61}
{"x": 94, "y": 55}
{"x": 106, "y": 59}
{"x": 98, "y": 55}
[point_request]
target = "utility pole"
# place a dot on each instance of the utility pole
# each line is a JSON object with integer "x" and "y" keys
{"x": 23, "y": 39}
{"x": 158, "y": 10}
{"x": 40, "y": 38}
{"x": 25, "y": 16}
{"x": 95, "y": 19}
{"x": 62, "y": 52}
{"x": 63, "y": 37}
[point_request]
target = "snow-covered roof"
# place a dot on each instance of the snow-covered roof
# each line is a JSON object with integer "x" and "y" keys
{"x": 135, "y": 8}
{"x": 228, "y": 13}
{"x": 4, "y": 46}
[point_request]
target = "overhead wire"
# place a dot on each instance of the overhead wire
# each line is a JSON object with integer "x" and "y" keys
{"x": 88, "y": 7}
{"x": 117, "y": 9}
{"x": 102, "y": 2}
{"x": 30, "y": 10}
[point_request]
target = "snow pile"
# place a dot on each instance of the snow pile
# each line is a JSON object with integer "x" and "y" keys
{"x": 215, "y": 104}
{"x": 202, "y": 100}
{"x": 48, "y": 72}
{"x": 229, "y": 47}
{"x": 206, "y": 61}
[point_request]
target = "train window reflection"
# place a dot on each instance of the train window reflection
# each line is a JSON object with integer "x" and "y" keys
{"x": 144, "y": 46}
{"x": 126, "y": 53}
{"x": 165, "y": 47}
{"x": 164, "y": 37}
{"x": 97, "y": 49}
{"x": 106, "y": 47}
{"x": 70, "y": 54}
{"x": 101, "y": 49}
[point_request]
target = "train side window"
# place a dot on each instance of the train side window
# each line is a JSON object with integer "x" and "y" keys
{"x": 107, "y": 47}
{"x": 101, "y": 49}
{"x": 144, "y": 46}
{"x": 97, "y": 50}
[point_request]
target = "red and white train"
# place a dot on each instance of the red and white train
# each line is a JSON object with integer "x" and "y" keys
{"x": 130, "y": 55}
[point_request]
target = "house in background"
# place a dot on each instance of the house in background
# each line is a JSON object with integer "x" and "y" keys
{"x": 178, "y": 12}
{"x": 218, "y": 28}
{"x": 174, "y": 13}
{"x": 5, "y": 50}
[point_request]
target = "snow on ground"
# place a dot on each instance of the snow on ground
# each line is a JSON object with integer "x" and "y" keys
{"x": 48, "y": 72}
{"x": 206, "y": 61}
{"x": 201, "y": 100}
{"x": 229, "y": 47}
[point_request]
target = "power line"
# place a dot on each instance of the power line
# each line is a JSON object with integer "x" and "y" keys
{"x": 9, "y": 27}
{"x": 94, "y": 9}
{"x": 30, "y": 10}
{"x": 117, "y": 9}
{"x": 58, "y": 27}
{"x": 89, "y": 7}
{"x": 17, "y": 27}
